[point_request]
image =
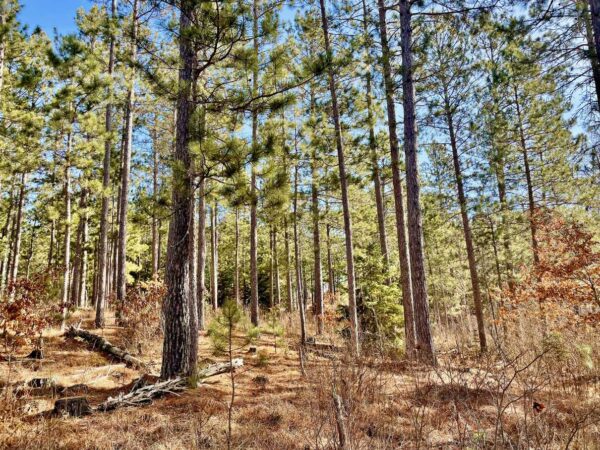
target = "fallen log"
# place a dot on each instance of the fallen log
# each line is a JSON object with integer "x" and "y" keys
{"x": 103, "y": 345}
{"x": 145, "y": 394}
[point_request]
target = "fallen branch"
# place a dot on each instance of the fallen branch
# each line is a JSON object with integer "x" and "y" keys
{"x": 98, "y": 342}
{"x": 145, "y": 394}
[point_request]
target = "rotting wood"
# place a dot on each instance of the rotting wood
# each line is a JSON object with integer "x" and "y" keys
{"x": 145, "y": 394}
{"x": 98, "y": 342}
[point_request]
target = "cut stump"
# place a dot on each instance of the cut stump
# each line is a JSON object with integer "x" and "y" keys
{"x": 72, "y": 406}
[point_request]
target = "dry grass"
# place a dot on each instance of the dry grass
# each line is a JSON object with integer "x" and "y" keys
{"x": 466, "y": 402}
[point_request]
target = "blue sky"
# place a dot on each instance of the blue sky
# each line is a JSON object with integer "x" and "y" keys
{"x": 51, "y": 14}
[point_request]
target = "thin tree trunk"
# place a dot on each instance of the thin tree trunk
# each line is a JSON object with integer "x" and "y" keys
{"x": 11, "y": 221}
{"x": 271, "y": 269}
{"x": 127, "y": 147}
{"x": 18, "y": 228}
{"x": 67, "y": 237}
{"x": 103, "y": 238}
{"x": 504, "y": 210}
{"x": 496, "y": 257}
{"x": 30, "y": 253}
{"x": 530, "y": 198}
{"x": 83, "y": 297}
{"x": 318, "y": 277}
{"x": 288, "y": 266}
{"x": 180, "y": 346}
{"x": 330, "y": 272}
{"x": 201, "y": 278}
{"x": 114, "y": 248}
{"x": 343, "y": 185}
{"x": 214, "y": 272}
{"x": 74, "y": 296}
{"x": 51, "y": 245}
{"x": 155, "y": 203}
{"x": 415, "y": 227}
{"x": 298, "y": 262}
{"x": 405, "y": 271}
{"x": 236, "y": 281}
{"x": 466, "y": 226}
{"x": 95, "y": 277}
{"x": 373, "y": 145}
{"x": 276, "y": 258}
{"x": 78, "y": 281}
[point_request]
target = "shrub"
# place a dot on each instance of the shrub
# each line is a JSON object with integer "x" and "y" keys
{"x": 142, "y": 310}
{"x": 563, "y": 289}
{"x": 27, "y": 310}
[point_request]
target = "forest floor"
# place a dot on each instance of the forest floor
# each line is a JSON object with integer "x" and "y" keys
{"x": 386, "y": 404}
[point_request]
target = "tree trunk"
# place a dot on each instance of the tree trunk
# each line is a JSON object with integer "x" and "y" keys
{"x": 466, "y": 226}
{"x": 415, "y": 227}
{"x": 271, "y": 269}
{"x": 193, "y": 257}
{"x": 18, "y": 230}
{"x": 254, "y": 194}
{"x": 155, "y": 158}
{"x": 330, "y": 272}
{"x": 114, "y": 248}
{"x": 201, "y": 278}
{"x": 504, "y": 209}
{"x": 3, "y": 16}
{"x": 405, "y": 276}
{"x": 373, "y": 145}
{"x": 79, "y": 263}
{"x": 180, "y": 351}
{"x": 214, "y": 272}
{"x": 530, "y": 198}
{"x": 127, "y": 147}
{"x": 318, "y": 277}
{"x": 595, "y": 54}
{"x": 276, "y": 258}
{"x": 103, "y": 238}
{"x": 30, "y": 253}
{"x": 67, "y": 237}
{"x": 74, "y": 295}
{"x": 51, "y": 244}
{"x": 83, "y": 296}
{"x": 288, "y": 266}
{"x": 236, "y": 281}
{"x": 343, "y": 184}
{"x": 298, "y": 262}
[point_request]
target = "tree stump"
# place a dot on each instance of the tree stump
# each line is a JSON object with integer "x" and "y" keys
{"x": 72, "y": 406}
{"x": 41, "y": 383}
{"x": 38, "y": 353}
